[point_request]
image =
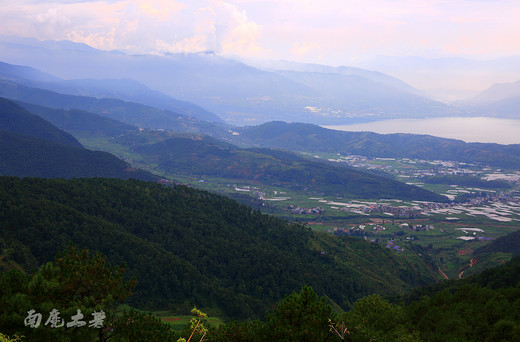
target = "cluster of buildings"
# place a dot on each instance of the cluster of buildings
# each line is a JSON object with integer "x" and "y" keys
{"x": 309, "y": 211}
{"x": 417, "y": 227}
{"x": 389, "y": 210}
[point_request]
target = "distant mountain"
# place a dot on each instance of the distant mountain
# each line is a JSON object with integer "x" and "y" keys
{"x": 207, "y": 157}
{"x": 32, "y": 147}
{"x": 237, "y": 92}
{"x": 508, "y": 108}
{"x": 498, "y": 92}
{"x": 446, "y": 73}
{"x": 122, "y": 89}
{"x": 501, "y": 99}
{"x": 128, "y": 112}
{"x": 15, "y": 119}
{"x": 20, "y": 73}
{"x": 133, "y": 91}
{"x": 357, "y": 94}
{"x": 311, "y": 138}
{"x": 375, "y": 76}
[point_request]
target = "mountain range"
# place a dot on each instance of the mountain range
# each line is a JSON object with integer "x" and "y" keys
{"x": 236, "y": 92}
{"x": 190, "y": 155}
{"x": 212, "y": 88}
{"x": 83, "y": 115}
{"x": 132, "y": 113}
{"x": 501, "y": 99}
{"x": 122, "y": 89}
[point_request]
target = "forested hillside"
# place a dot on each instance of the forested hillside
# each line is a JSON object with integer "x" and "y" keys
{"x": 25, "y": 156}
{"x": 32, "y": 147}
{"x": 203, "y": 156}
{"x": 188, "y": 247}
{"x": 481, "y": 308}
{"x": 15, "y": 119}
{"x": 312, "y": 138}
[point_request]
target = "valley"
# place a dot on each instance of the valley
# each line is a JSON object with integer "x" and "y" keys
{"x": 486, "y": 204}
{"x": 448, "y": 232}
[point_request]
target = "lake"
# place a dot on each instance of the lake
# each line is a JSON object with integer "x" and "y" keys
{"x": 468, "y": 129}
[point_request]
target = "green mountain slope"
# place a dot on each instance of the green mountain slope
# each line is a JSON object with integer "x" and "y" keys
{"x": 189, "y": 247}
{"x": 32, "y": 147}
{"x": 25, "y": 156}
{"x": 15, "y": 119}
{"x": 505, "y": 244}
{"x": 312, "y": 138}
{"x": 205, "y": 156}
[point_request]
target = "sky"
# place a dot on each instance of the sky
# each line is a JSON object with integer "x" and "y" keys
{"x": 334, "y": 32}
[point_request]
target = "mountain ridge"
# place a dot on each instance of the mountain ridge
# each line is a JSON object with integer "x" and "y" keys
{"x": 236, "y": 92}
{"x": 300, "y": 137}
{"x": 123, "y": 89}
{"x": 32, "y": 147}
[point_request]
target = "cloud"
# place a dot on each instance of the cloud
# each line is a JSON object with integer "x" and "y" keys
{"x": 141, "y": 26}
{"x": 196, "y": 43}
{"x": 160, "y": 10}
{"x": 303, "y": 29}
{"x": 300, "y": 49}
{"x": 234, "y": 32}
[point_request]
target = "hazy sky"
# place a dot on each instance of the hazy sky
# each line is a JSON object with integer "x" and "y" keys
{"x": 322, "y": 31}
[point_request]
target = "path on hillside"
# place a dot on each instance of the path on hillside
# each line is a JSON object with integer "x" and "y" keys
{"x": 472, "y": 263}
{"x": 442, "y": 273}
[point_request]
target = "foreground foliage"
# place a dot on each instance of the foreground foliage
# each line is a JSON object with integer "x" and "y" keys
{"x": 75, "y": 285}
{"x": 483, "y": 308}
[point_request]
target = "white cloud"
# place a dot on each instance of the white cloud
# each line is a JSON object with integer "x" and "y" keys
{"x": 306, "y": 29}
{"x": 235, "y": 33}
{"x": 138, "y": 25}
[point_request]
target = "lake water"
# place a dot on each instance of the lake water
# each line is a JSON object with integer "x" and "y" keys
{"x": 468, "y": 129}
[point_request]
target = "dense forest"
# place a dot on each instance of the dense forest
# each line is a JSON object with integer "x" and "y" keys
{"x": 188, "y": 247}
